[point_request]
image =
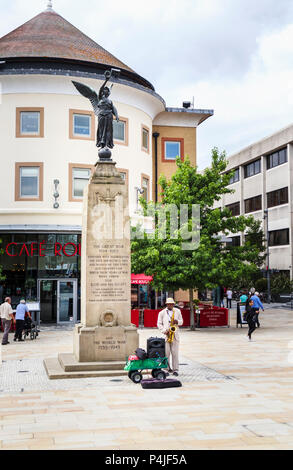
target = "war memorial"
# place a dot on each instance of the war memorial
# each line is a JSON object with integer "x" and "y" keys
{"x": 105, "y": 336}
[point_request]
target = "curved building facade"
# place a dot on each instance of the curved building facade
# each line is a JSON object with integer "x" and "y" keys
{"x": 48, "y": 152}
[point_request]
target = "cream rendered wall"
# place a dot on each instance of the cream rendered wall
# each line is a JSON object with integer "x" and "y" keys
{"x": 57, "y": 95}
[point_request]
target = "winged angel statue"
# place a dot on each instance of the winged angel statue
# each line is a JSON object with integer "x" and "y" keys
{"x": 104, "y": 109}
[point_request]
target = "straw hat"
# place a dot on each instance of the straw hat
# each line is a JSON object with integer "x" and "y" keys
{"x": 170, "y": 301}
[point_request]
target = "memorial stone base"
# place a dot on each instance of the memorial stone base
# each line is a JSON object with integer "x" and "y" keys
{"x": 104, "y": 344}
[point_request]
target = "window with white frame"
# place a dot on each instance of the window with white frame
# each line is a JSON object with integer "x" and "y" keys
{"x": 82, "y": 125}
{"x": 172, "y": 149}
{"x": 80, "y": 179}
{"x": 119, "y": 130}
{"x": 29, "y": 182}
{"x": 145, "y": 139}
{"x": 30, "y": 123}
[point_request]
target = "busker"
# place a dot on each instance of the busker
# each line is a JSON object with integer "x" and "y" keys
{"x": 250, "y": 318}
{"x": 6, "y": 314}
{"x": 21, "y": 310}
{"x": 256, "y": 306}
{"x": 169, "y": 321}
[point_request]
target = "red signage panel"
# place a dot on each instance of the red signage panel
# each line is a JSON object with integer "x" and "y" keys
{"x": 214, "y": 317}
{"x": 135, "y": 317}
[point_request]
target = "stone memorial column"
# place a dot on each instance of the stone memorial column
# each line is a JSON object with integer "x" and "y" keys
{"x": 105, "y": 332}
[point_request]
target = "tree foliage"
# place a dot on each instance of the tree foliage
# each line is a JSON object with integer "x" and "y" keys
{"x": 212, "y": 263}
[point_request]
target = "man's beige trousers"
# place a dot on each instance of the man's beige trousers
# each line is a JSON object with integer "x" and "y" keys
{"x": 173, "y": 349}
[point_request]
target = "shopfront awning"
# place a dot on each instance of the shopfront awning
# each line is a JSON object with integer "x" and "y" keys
{"x": 140, "y": 279}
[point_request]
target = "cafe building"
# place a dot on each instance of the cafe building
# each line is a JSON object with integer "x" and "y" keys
{"x": 48, "y": 153}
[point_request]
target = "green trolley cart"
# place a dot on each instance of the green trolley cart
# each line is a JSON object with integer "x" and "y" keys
{"x": 156, "y": 365}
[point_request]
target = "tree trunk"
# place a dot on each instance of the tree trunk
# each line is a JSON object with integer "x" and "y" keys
{"x": 191, "y": 304}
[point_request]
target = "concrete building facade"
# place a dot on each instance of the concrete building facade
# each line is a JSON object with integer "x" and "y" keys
{"x": 263, "y": 180}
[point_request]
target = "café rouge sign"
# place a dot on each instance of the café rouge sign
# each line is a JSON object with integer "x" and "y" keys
{"x": 41, "y": 249}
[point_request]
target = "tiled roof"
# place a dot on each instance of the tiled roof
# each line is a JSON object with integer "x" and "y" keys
{"x": 48, "y": 35}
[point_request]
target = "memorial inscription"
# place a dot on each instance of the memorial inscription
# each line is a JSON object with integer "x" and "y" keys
{"x": 107, "y": 271}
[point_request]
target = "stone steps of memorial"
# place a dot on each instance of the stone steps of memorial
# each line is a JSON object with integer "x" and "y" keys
{"x": 55, "y": 371}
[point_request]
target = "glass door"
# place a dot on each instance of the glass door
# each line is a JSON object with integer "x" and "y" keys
{"x": 58, "y": 300}
{"x": 48, "y": 300}
{"x": 67, "y": 301}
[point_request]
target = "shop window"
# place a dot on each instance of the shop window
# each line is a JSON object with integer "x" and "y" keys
{"x": 120, "y": 131}
{"x": 278, "y": 197}
{"x": 29, "y": 122}
{"x": 236, "y": 176}
{"x": 253, "y": 204}
{"x": 277, "y": 158}
{"x": 172, "y": 148}
{"x": 145, "y": 186}
{"x": 234, "y": 208}
{"x": 252, "y": 168}
{"x": 79, "y": 175}
{"x": 279, "y": 237}
{"x": 29, "y": 181}
{"x": 145, "y": 135}
{"x": 82, "y": 124}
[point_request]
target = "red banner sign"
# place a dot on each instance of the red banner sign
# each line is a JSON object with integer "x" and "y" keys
{"x": 214, "y": 316}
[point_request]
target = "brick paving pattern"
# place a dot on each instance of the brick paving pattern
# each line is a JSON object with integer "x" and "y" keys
{"x": 235, "y": 395}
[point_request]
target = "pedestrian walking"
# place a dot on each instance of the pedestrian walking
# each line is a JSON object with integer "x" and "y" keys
{"x": 250, "y": 317}
{"x": 6, "y": 318}
{"x": 256, "y": 306}
{"x": 229, "y": 294}
{"x": 243, "y": 297}
{"x": 21, "y": 311}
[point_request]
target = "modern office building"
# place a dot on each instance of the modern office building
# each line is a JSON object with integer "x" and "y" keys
{"x": 48, "y": 152}
{"x": 263, "y": 180}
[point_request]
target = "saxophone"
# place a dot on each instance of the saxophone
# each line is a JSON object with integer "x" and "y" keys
{"x": 172, "y": 330}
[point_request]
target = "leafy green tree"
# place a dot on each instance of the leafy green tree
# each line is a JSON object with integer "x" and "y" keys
{"x": 212, "y": 263}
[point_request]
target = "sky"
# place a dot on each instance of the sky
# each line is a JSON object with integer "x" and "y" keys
{"x": 232, "y": 56}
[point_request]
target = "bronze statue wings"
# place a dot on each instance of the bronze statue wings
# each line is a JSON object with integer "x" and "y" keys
{"x": 87, "y": 92}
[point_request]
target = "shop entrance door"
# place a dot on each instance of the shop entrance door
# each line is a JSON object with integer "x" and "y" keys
{"x": 58, "y": 300}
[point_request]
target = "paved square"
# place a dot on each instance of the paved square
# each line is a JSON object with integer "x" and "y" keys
{"x": 235, "y": 395}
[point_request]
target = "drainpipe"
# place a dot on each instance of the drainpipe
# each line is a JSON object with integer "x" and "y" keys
{"x": 156, "y": 135}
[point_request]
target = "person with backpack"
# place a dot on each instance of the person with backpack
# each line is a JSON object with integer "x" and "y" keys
{"x": 256, "y": 306}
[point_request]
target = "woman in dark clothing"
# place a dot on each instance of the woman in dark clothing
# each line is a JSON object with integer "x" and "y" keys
{"x": 250, "y": 318}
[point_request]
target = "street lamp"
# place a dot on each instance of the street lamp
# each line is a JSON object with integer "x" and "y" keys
{"x": 266, "y": 219}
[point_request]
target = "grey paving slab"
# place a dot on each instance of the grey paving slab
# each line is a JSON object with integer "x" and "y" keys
{"x": 29, "y": 375}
